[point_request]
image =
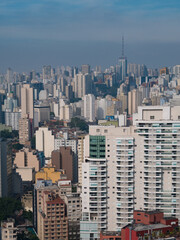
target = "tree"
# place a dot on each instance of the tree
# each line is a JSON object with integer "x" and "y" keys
{"x": 17, "y": 146}
{"x": 79, "y": 123}
{"x": 28, "y": 215}
{"x": 8, "y": 206}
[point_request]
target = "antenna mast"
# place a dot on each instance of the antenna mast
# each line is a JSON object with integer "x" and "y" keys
{"x": 122, "y": 46}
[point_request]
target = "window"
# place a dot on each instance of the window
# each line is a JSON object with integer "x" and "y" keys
{"x": 179, "y": 117}
{"x": 97, "y": 130}
{"x": 151, "y": 117}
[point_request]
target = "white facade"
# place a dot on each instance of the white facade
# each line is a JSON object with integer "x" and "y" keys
{"x": 140, "y": 168}
{"x": 12, "y": 119}
{"x": 66, "y": 113}
{"x": 45, "y": 141}
{"x": 158, "y": 164}
{"x": 108, "y": 181}
{"x": 82, "y": 84}
{"x": 63, "y": 142}
{"x": 101, "y": 108}
{"x": 89, "y": 107}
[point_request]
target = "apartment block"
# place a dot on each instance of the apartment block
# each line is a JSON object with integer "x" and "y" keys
{"x": 108, "y": 176}
{"x": 8, "y": 230}
{"x": 24, "y": 130}
{"x": 157, "y": 166}
{"x": 136, "y": 167}
{"x": 52, "y": 217}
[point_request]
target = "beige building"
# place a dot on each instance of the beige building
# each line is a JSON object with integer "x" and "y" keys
{"x": 27, "y": 174}
{"x": 66, "y": 112}
{"x": 74, "y": 209}
{"x": 24, "y": 130}
{"x": 45, "y": 141}
{"x": 8, "y": 231}
{"x": 27, "y": 158}
{"x": 123, "y": 98}
{"x": 27, "y": 102}
{"x": 134, "y": 100}
{"x": 82, "y": 85}
{"x": 52, "y": 217}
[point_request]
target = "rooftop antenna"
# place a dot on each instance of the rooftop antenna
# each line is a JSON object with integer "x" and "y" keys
{"x": 122, "y": 46}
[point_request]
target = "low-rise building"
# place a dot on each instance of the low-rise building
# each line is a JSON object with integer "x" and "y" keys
{"x": 8, "y": 230}
{"x": 148, "y": 224}
{"x": 49, "y": 173}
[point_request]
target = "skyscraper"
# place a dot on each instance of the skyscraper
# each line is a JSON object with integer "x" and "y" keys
{"x": 157, "y": 181}
{"x": 9, "y": 75}
{"x": 82, "y": 85}
{"x": 85, "y": 68}
{"x": 108, "y": 176}
{"x": 89, "y": 107}
{"x": 122, "y": 62}
{"x": 27, "y": 102}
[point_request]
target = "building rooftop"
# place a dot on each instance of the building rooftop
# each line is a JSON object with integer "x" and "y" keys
{"x": 144, "y": 227}
{"x": 57, "y": 199}
{"x": 148, "y": 212}
{"x": 110, "y": 233}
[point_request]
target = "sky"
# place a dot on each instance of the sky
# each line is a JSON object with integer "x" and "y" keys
{"x": 74, "y": 32}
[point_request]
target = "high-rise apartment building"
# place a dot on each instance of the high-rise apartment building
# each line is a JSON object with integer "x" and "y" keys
{"x": 45, "y": 141}
{"x": 89, "y": 107}
{"x": 74, "y": 212}
{"x": 82, "y": 85}
{"x": 12, "y": 119}
{"x": 134, "y": 100}
{"x": 108, "y": 176}
{"x": 27, "y": 102}
{"x": 24, "y": 130}
{"x": 136, "y": 167}
{"x": 157, "y": 166}
{"x": 53, "y": 223}
{"x": 64, "y": 159}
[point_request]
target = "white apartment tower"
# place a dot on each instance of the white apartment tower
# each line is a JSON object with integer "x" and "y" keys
{"x": 45, "y": 141}
{"x": 82, "y": 84}
{"x": 89, "y": 107}
{"x": 136, "y": 167}
{"x": 157, "y": 165}
{"x": 108, "y": 176}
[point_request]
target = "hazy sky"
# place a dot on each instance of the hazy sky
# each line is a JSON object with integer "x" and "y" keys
{"x": 73, "y": 32}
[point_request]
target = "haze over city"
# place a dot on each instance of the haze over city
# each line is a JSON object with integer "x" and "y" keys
{"x": 67, "y": 32}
